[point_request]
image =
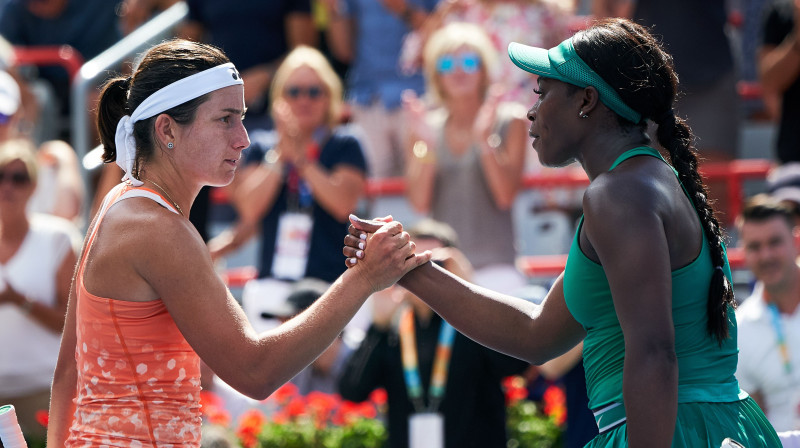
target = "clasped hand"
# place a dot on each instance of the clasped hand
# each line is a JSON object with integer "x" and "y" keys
{"x": 391, "y": 252}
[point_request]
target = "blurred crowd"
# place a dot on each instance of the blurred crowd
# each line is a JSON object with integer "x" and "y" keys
{"x": 346, "y": 97}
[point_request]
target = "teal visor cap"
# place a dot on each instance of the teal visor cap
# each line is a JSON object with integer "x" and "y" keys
{"x": 564, "y": 64}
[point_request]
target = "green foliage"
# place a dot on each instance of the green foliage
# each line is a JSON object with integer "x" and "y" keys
{"x": 528, "y": 427}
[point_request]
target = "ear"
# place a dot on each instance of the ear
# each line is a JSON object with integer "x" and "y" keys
{"x": 590, "y": 99}
{"x": 165, "y": 130}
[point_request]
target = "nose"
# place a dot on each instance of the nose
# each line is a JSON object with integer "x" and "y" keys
{"x": 242, "y": 139}
{"x": 532, "y": 114}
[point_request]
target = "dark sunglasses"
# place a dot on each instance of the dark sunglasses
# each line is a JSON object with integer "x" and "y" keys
{"x": 312, "y": 92}
{"x": 17, "y": 178}
{"x": 468, "y": 62}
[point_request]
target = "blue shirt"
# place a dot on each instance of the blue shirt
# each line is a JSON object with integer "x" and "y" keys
{"x": 375, "y": 72}
{"x": 325, "y": 246}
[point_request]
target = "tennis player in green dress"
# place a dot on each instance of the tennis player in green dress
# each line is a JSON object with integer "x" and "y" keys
{"x": 647, "y": 282}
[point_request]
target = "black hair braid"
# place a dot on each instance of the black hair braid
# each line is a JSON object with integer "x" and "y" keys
{"x": 675, "y": 136}
{"x": 634, "y": 63}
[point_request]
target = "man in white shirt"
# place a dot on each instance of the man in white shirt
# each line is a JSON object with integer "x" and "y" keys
{"x": 769, "y": 320}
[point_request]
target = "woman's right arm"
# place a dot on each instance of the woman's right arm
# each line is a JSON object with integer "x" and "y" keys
{"x": 65, "y": 381}
{"x": 178, "y": 268}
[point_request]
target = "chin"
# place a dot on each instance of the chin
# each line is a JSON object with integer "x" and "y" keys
{"x": 222, "y": 181}
{"x": 554, "y": 163}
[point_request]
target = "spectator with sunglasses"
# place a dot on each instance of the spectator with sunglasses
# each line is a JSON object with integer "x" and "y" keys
{"x": 470, "y": 149}
{"x": 37, "y": 256}
{"x": 301, "y": 182}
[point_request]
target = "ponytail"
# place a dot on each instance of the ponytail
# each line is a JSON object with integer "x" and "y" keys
{"x": 110, "y": 108}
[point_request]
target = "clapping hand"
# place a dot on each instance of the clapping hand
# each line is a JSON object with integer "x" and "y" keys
{"x": 289, "y": 144}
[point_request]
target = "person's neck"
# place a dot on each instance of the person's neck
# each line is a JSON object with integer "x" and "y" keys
{"x": 13, "y": 227}
{"x": 463, "y": 110}
{"x": 605, "y": 147}
{"x": 172, "y": 186}
{"x": 787, "y": 295}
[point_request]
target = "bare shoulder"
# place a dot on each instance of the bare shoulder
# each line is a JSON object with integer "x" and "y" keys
{"x": 142, "y": 220}
{"x": 631, "y": 202}
{"x": 136, "y": 240}
{"x": 642, "y": 185}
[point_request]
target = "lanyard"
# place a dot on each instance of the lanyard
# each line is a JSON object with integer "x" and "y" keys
{"x": 782, "y": 348}
{"x": 441, "y": 362}
{"x": 299, "y": 193}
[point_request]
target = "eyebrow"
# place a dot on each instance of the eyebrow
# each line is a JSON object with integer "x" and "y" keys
{"x": 235, "y": 111}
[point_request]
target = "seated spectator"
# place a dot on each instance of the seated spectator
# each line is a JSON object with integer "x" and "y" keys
{"x": 769, "y": 320}
{"x": 303, "y": 180}
{"x": 59, "y": 187}
{"x": 470, "y": 150}
{"x": 399, "y": 354}
{"x": 37, "y": 258}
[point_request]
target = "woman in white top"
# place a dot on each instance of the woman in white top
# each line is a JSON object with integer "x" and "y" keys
{"x": 37, "y": 256}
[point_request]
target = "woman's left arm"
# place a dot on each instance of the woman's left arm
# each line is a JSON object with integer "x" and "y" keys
{"x": 339, "y": 189}
{"x": 502, "y": 156}
{"x": 626, "y": 231}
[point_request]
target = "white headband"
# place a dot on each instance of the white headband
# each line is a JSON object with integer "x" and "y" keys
{"x": 164, "y": 99}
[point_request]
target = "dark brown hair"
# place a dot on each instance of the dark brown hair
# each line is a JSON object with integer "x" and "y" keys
{"x": 634, "y": 63}
{"x": 763, "y": 207}
{"x": 162, "y": 65}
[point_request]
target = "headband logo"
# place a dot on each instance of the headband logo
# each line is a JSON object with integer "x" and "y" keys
{"x": 234, "y": 73}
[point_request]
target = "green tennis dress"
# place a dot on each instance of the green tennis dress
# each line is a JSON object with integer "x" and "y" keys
{"x": 711, "y": 406}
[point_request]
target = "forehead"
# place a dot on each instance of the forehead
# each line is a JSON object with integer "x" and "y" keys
{"x": 304, "y": 75}
{"x": 764, "y": 229}
{"x": 17, "y": 164}
{"x": 226, "y": 98}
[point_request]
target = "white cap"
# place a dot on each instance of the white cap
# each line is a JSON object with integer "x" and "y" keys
{"x": 783, "y": 182}
{"x": 9, "y": 94}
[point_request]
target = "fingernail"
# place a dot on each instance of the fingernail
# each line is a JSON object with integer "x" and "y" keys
{"x": 353, "y": 216}
{"x": 353, "y": 260}
{"x": 363, "y": 236}
{"x": 361, "y": 245}
{"x": 359, "y": 254}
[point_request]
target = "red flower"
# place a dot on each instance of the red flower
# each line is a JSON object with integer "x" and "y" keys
{"x": 280, "y": 417}
{"x": 321, "y": 402}
{"x": 515, "y": 388}
{"x": 249, "y": 427}
{"x": 366, "y": 409}
{"x": 213, "y": 408}
{"x": 555, "y": 404}
{"x": 378, "y": 396}
{"x": 42, "y": 417}
{"x": 296, "y": 407}
{"x": 284, "y": 393}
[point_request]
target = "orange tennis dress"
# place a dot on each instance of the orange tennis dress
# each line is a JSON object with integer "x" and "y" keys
{"x": 138, "y": 379}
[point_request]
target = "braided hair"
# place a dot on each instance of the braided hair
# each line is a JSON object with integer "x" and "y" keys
{"x": 633, "y": 62}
